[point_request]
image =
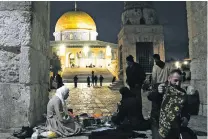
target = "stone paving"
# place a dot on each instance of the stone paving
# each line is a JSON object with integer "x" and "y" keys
{"x": 102, "y": 100}
{"x": 90, "y": 100}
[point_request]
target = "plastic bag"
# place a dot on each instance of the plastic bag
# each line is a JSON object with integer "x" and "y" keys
{"x": 34, "y": 135}
{"x": 49, "y": 134}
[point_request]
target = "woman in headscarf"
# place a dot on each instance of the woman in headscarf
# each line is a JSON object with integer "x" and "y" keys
{"x": 128, "y": 115}
{"x": 58, "y": 119}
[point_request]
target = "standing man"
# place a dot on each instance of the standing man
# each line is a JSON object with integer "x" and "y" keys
{"x": 101, "y": 80}
{"x": 88, "y": 81}
{"x": 93, "y": 78}
{"x": 160, "y": 70}
{"x": 169, "y": 107}
{"x": 135, "y": 78}
{"x": 96, "y": 78}
{"x": 75, "y": 81}
{"x": 59, "y": 81}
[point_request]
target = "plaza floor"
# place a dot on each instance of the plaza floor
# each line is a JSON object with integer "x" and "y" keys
{"x": 92, "y": 100}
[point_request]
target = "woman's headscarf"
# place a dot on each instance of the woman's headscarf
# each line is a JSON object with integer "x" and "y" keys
{"x": 61, "y": 93}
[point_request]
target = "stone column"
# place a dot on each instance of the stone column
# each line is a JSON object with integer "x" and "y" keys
{"x": 197, "y": 31}
{"x": 24, "y": 60}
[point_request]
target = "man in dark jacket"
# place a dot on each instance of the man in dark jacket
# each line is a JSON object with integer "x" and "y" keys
{"x": 88, "y": 81}
{"x": 93, "y": 78}
{"x": 128, "y": 115}
{"x": 156, "y": 96}
{"x": 135, "y": 78}
{"x": 75, "y": 81}
{"x": 101, "y": 80}
{"x": 96, "y": 78}
{"x": 59, "y": 81}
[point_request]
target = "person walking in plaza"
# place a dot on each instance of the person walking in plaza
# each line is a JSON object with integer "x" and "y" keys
{"x": 88, "y": 81}
{"x": 96, "y": 78}
{"x": 101, "y": 80}
{"x": 160, "y": 70}
{"x": 93, "y": 79}
{"x": 75, "y": 81}
{"x": 135, "y": 78}
{"x": 58, "y": 119}
{"x": 169, "y": 107}
{"x": 114, "y": 79}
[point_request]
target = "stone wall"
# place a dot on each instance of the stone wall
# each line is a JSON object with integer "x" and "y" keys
{"x": 139, "y": 24}
{"x": 24, "y": 70}
{"x": 131, "y": 34}
{"x": 197, "y": 31}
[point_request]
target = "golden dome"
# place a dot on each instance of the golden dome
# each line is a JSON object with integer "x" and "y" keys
{"x": 75, "y": 20}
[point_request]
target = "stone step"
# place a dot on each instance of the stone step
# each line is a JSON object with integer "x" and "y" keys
{"x": 114, "y": 89}
{"x": 118, "y": 82}
{"x": 84, "y": 81}
{"x": 79, "y": 77}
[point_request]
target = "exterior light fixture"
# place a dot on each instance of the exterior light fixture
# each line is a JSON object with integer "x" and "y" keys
{"x": 185, "y": 62}
{"x": 62, "y": 49}
{"x": 108, "y": 51}
{"x": 86, "y": 50}
{"x": 177, "y": 64}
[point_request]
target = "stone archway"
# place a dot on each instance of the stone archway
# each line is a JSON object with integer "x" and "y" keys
{"x": 24, "y": 48}
{"x": 25, "y": 54}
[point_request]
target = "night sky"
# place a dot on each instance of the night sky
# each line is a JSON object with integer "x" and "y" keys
{"x": 107, "y": 16}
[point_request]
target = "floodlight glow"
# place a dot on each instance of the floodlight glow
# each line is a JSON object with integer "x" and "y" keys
{"x": 62, "y": 50}
{"x": 177, "y": 64}
{"x": 86, "y": 49}
{"x": 185, "y": 62}
{"x": 108, "y": 51}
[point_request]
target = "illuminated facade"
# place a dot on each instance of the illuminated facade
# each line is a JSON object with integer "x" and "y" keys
{"x": 77, "y": 46}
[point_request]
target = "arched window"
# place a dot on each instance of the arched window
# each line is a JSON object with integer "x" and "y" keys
{"x": 101, "y": 55}
{"x": 71, "y": 36}
{"x": 90, "y": 54}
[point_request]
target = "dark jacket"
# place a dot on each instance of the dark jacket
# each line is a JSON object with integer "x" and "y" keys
{"x": 59, "y": 81}
{"x": 101, "y": 78}
{"x": 135, "y": 75}
{"x": 88, "y": 79}
{"x": 157, "y": 99}
{"x": 95, "y": 78}
{"x": 75, "y": 79}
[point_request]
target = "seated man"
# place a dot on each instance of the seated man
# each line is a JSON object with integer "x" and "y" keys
{"x": 58, "y": 119}
{"x": 169, "y": 107}
{"x": 128, "y": 115}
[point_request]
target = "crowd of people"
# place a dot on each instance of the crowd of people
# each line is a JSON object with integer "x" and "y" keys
{"x": 90, "y": 81}
{"x": 169, "y": 113}
{"x": 56, "y": 81}
{"x": 170, "y": 110}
